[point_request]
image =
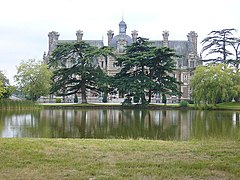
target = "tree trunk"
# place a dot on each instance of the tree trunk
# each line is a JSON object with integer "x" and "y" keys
{"x": 106, "y": 63}
{"x": 149, "y": 96}
{"x": 83, "y": 92}
{"x": 143, "y": 99}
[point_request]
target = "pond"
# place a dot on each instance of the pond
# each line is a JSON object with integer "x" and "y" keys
{"x": 111, "y": 123}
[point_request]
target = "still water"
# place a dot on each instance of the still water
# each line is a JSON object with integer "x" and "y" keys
{"x": 112, "y": 123}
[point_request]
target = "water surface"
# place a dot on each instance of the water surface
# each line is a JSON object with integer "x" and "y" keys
{"x": 112, "y": 123}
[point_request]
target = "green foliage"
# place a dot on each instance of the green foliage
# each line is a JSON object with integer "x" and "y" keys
{"x": 11, "y": 90}
{"x": 136, "y": 99}
{"x": 76, "y": 69}
{"x": 183, "y": 104}
{"x": 127, "y": 101}
{"x": 58, "y": 100}
{"x": 34, "y": 79}
{"x": 2, "y": 90}
{"x": 146, "y": 70}
{"x": 217, "y": 42}
{"x": 223, "y": 45}
{"x": 236, "y": 86}
{"x": 5, "y": 88}
{"x": 211, "y": 83}
{"x": 190, "y": 101}
{"x": 164, "y": 99}
{"x": 104, "y": 84}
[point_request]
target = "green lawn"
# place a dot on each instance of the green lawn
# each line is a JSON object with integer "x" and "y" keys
{"x": 26, "y": 158}
{"x": 221, "y": 106}
{"x": 229, "y": 105}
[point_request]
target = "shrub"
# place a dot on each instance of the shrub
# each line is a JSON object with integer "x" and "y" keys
{"x": 183, "y": 104}
{"x": 58, "y": 100}
{"x": 127, "y": 101}
{"x": 190, "y": 101}
{"x": 136, "y": 99}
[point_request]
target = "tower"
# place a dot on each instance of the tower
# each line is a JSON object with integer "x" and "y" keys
{"x": 122, "y": 27}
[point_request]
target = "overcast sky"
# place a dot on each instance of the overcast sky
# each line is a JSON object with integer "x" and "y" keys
{"x": 24, "y": 24}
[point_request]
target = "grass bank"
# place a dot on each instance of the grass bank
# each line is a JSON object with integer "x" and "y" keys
{"x": 221, "y": 106}
{"x": 118, "y": 159}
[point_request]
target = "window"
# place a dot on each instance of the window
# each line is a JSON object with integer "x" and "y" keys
{"x": 192, "y": 65}
{"x": 185, "y": 77}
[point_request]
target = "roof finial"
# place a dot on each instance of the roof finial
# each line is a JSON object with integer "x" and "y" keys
{"x": 122, "y": 14}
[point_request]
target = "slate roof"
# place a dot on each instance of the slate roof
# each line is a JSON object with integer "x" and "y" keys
{"x": 182, "y": 48}
{"x": 97, "y": 43}
{"x": 113, "y": 42}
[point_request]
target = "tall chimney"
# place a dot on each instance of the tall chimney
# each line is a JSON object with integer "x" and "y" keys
{"x": 110, "y": 34}
{"x": 79, "y": 35}
{"x": 165, "y": 35}
{"x": 134, "y": 35}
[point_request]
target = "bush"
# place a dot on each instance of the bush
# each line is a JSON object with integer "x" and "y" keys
{"x": 190, "y": 101}
{"x": 136, "y": 99}
{"x": 183, "y": 104}
{"x": 127, "y": 101}
{"x": 75, "y": 99}
{"x": 58, "y": 100}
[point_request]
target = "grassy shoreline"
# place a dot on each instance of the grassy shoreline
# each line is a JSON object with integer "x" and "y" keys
{"x": 221, "y": 106}
{"x": 28, "y": 158}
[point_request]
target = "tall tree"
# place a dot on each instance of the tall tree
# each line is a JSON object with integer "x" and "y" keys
{"x": 132, "y": 78}
{"x": 235, "y": 43}
{"x": 6, "y": 85}
{"x": 160, "y": 67}
{"x": 75, "y": 69}
{"x": 217, "y": 42}
{"x": 106, "y": 51}
{"x": 33, "y": 79}
{"x": 2, "y": 89}
{"x": 145, "y": 69}
{"x": 211, "y": 83}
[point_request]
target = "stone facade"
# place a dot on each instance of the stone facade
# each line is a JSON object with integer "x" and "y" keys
{"x": 187, "y": 49}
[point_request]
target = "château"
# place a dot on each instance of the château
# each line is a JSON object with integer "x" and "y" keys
{"x": 186, "y": 49}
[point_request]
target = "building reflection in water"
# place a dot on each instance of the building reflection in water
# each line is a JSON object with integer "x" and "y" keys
{"x": 112, "y": 123}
